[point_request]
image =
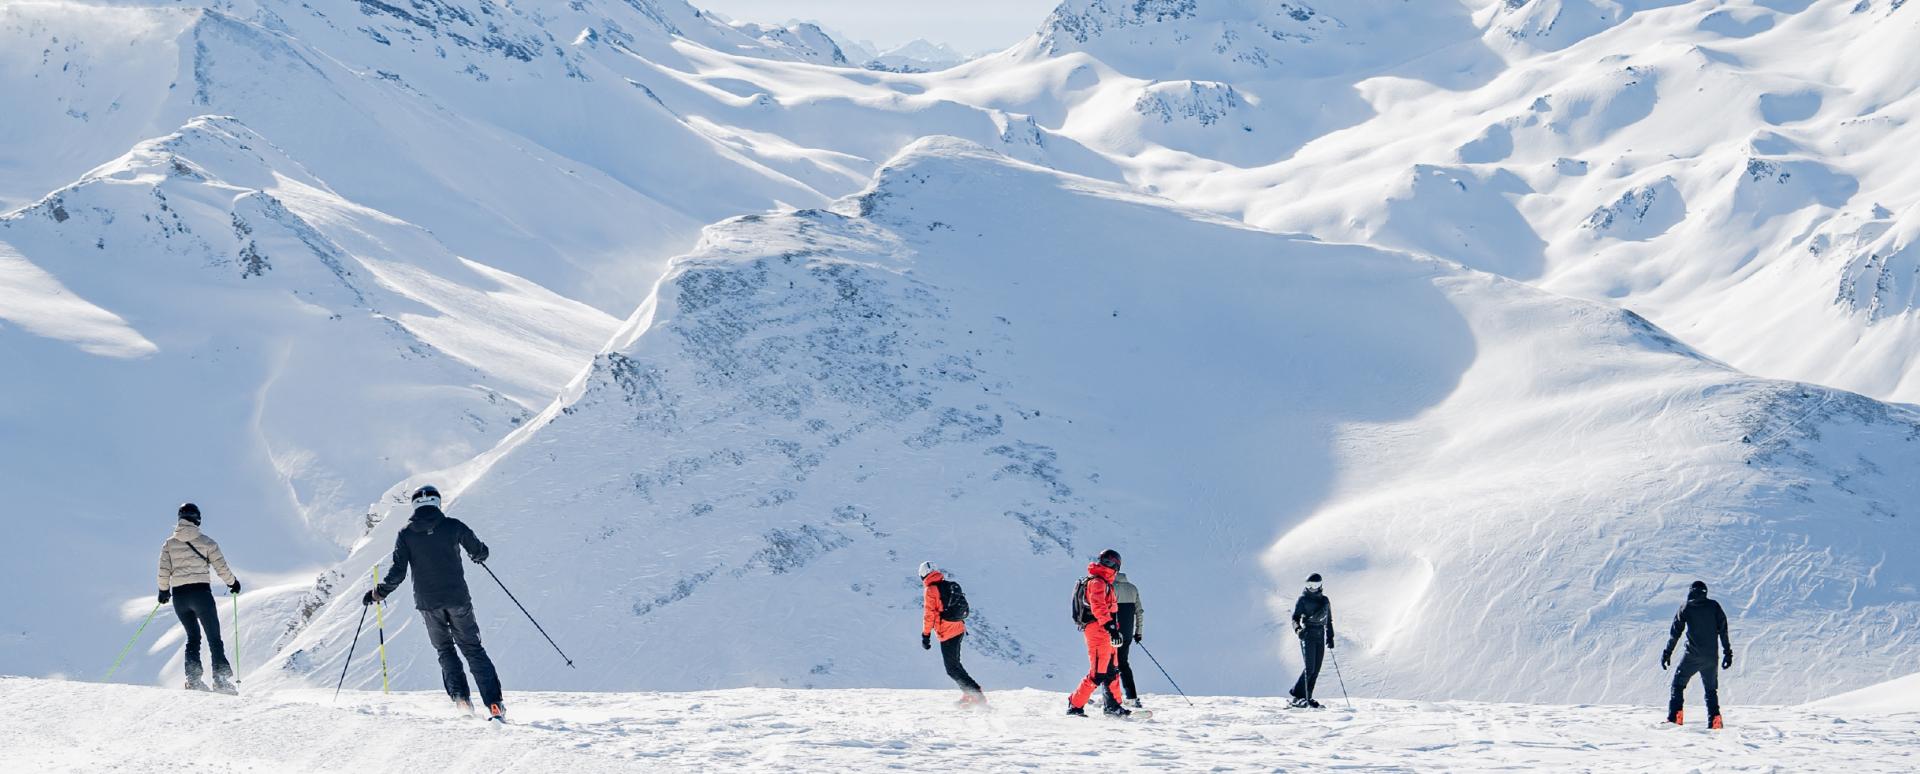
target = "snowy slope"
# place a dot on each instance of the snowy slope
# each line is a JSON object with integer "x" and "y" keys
{"x": 1734, "y": 171}
{"x": 205, "y": 320}
{"x": 407, "y": 230}
{"x": 62, "y": 727}
{"x": 1896, "y": 696}
{"x": 1006, "y": 369}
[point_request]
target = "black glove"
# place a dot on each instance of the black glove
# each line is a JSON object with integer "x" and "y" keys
{"x": 165, "y": 595}
{"x": 1113, "y": 634}
{"x": 372, "y": 596}
{"x": 1726, "y": 661}
{"x": 926, "y": 642}
{"x": 234, "y": 586}
{"x": 1329, "y": 643}
{"x": 1666, "y": 660}
{"x": 1139, "y": 637}
{"x": 1299, "y": 631}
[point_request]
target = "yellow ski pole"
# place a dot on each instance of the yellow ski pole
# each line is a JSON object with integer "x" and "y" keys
{"x": 380, "y": 620}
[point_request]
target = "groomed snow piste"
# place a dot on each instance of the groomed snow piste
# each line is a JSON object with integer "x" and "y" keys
{"x": 69, "y": 727}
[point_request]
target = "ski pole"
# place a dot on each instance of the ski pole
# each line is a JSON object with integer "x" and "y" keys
{"x": 523, "y": 611}
{"x": 236, "y": 631}
{"x": 136, "y": 638}
{"x": 356, "y": 643}
{"x": 380, "y": 619}
{"x": 1163, "y": 672}
{"x": 1342, "y": 679}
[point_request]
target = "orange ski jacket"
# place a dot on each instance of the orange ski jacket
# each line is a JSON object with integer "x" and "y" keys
{"x": 930, "y": 622}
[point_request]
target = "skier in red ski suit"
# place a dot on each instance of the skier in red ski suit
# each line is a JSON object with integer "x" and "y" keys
{"x": 1103, "y": 639}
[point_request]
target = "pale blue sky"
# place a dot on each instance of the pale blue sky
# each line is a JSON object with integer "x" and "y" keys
{"x": 969, "y": 25}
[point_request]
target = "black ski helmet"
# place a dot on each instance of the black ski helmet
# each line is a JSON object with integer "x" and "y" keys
{"x": 1313, "y": 582}
{"x": 1699, "y": 585}
{"x": 1110, "y": 559}
{"x": 189, "y": 511}
{"x": 426, "y": 495}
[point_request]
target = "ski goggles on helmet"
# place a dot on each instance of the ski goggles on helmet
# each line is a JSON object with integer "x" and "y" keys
{"x": 426, "y": 495}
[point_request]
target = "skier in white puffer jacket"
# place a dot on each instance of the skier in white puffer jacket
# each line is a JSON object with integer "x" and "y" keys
{"x": 186, "y": 560}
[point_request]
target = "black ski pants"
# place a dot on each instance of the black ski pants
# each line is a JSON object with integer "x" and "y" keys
{"x": 950, "y": 653}
{"x": 194, "y": 604}
{"x": 1709, "y": 679}
{"x": 1313, "y": 650}
{"x": 1126, "y": 670}
{"x": 449, "y": 628}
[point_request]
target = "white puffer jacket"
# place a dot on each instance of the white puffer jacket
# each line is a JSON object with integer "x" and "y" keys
{"x": 179, "y": 565}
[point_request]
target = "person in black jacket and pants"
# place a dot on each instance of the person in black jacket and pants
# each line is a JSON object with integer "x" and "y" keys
{"x": 430, "y": 545}
{"x": 1313, "y": 622}
{"x": 1705, "y": 625}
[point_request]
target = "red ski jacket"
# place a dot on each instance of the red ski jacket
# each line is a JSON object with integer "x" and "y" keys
{"x": 930, "y": 622}
{"x": 1100, "y": 599}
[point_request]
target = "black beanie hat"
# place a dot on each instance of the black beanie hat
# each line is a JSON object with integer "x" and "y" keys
{"x": 1699, "y": 586}
{"x": 1314, "y": 578}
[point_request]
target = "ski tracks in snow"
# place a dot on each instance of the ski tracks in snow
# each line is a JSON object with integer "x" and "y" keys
{"x": 66, "y": 726}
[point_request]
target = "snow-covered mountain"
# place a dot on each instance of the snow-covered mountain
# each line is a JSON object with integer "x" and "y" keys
{"x": 915, "y": 56}
{"x": 324, "y": 248}
{"x": 471, "y": 191}
{"x": 1006, "y": 369}
{"x": 203, "y": 319}
{"x": 1730, "y": 170}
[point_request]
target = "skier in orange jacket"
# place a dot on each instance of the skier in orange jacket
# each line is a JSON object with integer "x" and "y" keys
{"x": 1102, "y": 633}
{"x": 947, "y": 621}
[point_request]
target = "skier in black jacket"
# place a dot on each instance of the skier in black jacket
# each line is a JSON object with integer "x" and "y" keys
{"x": 1313, "y": 622}
{"x": 431, "y": 545}
{"x": 1705, "y": 625}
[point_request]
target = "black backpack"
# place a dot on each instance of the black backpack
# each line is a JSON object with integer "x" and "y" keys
{"x": 1082, "y": 612}
{"x": 953, "y": 602}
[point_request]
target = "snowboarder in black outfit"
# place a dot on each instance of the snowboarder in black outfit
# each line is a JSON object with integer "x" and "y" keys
{"x": 185, "y": 561}
{"x": 430, "y": 545}
{"x": 1705, "y": 624}
{"x": 1313, "y": 623}
{"x": 1132, "y": 619}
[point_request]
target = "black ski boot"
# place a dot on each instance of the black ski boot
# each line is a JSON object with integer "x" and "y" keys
{"x": 194, "y": 683}
{"x": 1311, "y": 704}
{"x": 1136, "y": 703}
{"x": 1115, "y": 710}
{"x": 1078, "y": 712}
{"x": 497, "y": 712}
